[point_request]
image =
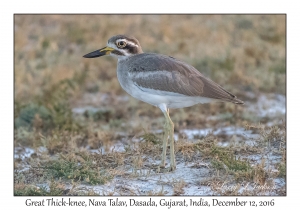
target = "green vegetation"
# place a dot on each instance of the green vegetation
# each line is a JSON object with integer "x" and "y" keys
{"x": 282, "y": 170}
{"x": 28, "y": 190}
{"x": 151, "y": 137}
{"x": 69, "y": 168}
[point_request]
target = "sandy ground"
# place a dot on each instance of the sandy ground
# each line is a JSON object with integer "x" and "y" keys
{"x": 194, "y": 176}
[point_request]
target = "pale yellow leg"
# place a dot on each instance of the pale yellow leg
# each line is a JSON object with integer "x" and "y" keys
{"x": 165, "y": 141}
{"x": 170, "y": 129}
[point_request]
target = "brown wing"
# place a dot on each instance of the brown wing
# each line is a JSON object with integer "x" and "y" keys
{"x": 164, "y": 73}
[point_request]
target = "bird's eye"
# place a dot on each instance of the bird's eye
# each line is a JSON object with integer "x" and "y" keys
{"x": 121, "y": 44}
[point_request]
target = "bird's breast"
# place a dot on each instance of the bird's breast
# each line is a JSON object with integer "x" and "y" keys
{"x": 123, "y": 77}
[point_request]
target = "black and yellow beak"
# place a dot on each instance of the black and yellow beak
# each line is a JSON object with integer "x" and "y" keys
{"x": 98, "y": 53}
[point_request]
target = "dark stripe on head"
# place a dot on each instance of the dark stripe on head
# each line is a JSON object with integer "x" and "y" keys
{"x": 115, "y": 38}
{"x": 116, "y": 52}
{"x": 133, "y": 40}
{"x": 132, "y": 49}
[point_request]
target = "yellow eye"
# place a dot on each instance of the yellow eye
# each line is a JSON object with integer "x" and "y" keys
{"x": 121, "y": 44}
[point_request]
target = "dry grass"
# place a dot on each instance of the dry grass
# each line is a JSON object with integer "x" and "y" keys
{"x": 77, "y": 149}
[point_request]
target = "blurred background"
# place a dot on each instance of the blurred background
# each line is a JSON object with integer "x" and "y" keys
{"x": 59, "y": 95}
{"x": 243, "y": 53}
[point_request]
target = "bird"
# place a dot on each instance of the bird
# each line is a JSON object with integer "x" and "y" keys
{"x": 162, "y": 81}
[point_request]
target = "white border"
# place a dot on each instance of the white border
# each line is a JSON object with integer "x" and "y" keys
{"x": 8, "y": 8}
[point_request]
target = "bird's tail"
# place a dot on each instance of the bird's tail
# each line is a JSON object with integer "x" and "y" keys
{"x": 237, "y": 101}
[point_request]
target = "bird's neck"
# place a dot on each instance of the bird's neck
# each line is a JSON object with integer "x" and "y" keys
{"x": 126, "y": 57}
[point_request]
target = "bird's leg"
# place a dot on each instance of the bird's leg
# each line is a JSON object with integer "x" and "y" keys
{"x": 165, "y": 141}
{"x": 170, "y": 128}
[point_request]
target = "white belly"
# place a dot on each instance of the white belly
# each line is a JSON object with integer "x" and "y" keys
{"x": 172, "y": 100}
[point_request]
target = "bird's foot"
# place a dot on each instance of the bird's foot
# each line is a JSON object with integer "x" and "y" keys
{"x": 162, "y": 165}
{"x": 172, "y": 168}
{"x": 163, "y": 169}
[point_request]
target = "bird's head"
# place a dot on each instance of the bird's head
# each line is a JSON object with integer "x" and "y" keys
{"x": 120, "y": 46}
